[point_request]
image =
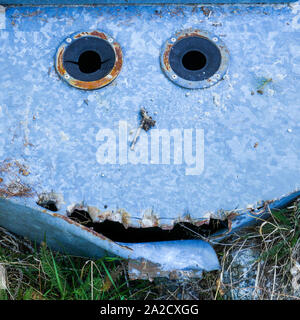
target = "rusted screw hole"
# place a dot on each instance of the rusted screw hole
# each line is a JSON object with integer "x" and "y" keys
{"x": 194, "y": 60}
{"x": 89, "y": 62}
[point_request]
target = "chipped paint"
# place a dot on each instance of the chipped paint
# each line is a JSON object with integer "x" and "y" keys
{"x": 149, "y": 218}
{"x": 50, "y": 199}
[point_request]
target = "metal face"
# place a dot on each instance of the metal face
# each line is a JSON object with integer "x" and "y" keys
{"x": 237, "y": 142}
{"x": 250, "y": 140}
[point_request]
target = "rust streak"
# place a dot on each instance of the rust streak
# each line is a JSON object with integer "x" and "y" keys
{"x": 93, "y": 33}
{"x": 191, "y": 34}
{"x": 81, "y": 34}
{"x": 98, "y": 34}
{"x": 166, "y": 57}
{"x": 60, "y": 67}
{"x": 16, "y": 190}
{"x": 230, "y": 217}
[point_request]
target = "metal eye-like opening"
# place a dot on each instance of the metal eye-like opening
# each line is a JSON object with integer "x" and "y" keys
{"x": 194, "y": 59}
{"x": 89, "y": 60}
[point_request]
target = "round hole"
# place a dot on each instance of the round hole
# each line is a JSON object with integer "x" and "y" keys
{"x": 89, "y": 62}
{"x": 194, "y": 60}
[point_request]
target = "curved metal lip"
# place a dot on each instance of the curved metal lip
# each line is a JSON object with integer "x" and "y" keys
{"x": 171, "y": 75}
{"x": 89, "y": 85}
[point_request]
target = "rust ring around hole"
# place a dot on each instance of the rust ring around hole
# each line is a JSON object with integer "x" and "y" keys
{"x": 189, "y": 84}
{"x": 95, "y": 84}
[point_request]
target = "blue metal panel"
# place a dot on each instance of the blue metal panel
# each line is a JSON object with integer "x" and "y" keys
{"x": 50, "y": 131}
{"x": 53, "y": 128}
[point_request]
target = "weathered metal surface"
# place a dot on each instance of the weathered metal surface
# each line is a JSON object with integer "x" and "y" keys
{"x": 89, "y": 85}
{"x": 54, "y": 132}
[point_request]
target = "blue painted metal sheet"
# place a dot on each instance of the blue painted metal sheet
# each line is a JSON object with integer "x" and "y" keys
{"x": 53, "y": 136}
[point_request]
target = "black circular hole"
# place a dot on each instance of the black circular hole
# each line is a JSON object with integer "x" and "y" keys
{"x": 89, "y": 62}
{"x": 194, "y": 60}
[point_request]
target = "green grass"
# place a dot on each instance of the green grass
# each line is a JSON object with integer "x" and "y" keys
{"x": 44, "y": 274}
{"x": 36, "y": 272}
{"x": 283, "y": 231}
{"x": 277, "y": 244}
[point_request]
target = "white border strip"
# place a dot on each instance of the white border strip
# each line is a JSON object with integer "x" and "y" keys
{"x": 2, "y": 18}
